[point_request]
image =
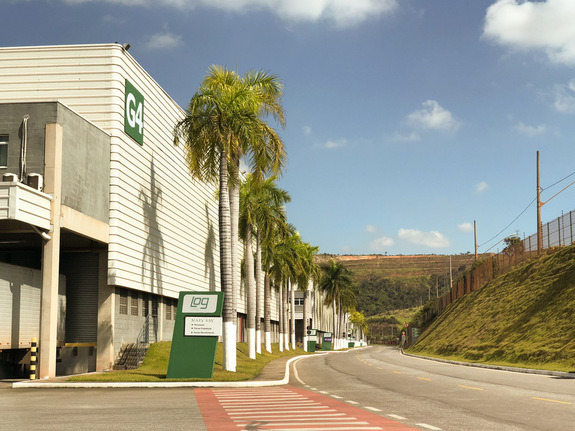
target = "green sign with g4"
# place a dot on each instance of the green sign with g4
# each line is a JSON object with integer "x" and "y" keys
{"x": 196, "y": 330}
{"x": 134, "y": 113}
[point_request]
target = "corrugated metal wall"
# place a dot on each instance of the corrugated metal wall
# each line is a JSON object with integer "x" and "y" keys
{"x": 81, "y": 271}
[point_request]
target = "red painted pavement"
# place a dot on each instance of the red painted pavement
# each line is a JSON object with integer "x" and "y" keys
{"x": 217, "y": 418}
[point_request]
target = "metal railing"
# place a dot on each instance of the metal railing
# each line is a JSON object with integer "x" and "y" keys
{"x": 148, "y": 333}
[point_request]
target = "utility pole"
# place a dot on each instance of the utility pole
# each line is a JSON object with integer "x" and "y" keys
{"x": 450, "y": 275}
{"x": 475, "y": 237}
{"x": 539, "y": 225}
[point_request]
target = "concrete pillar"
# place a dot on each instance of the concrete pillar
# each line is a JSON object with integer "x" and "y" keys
{"x": 106, "y": 307}
{"x": 51, "y": 253}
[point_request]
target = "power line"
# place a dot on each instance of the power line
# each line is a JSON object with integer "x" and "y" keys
{"x": 506, "y": 227}
{"x": 554, "y": 184}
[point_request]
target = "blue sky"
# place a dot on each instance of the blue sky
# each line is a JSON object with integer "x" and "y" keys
{"x": 406, "y": 119}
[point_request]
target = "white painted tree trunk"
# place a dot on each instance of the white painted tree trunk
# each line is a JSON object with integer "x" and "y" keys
{"x": 226, "y": 270}
{"x": 251, "y": 293}
{"x": 292, "y": 314}
{"x": 281, "y": 319}
{"x": 268, "y": 341}
{"x": 259, "y": 293}
{"x": 252, "y": 343}
{"x": 229, "y": 347}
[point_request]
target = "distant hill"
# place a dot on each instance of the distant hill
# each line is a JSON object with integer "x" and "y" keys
{"x": 524, "y": 318}
{"x": 398, "y": 266}
{"x": 387, "y": 283}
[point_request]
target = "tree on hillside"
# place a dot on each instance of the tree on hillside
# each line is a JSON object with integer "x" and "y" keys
{"x": 225, "y": 121}
{"x": 513, "y": 246}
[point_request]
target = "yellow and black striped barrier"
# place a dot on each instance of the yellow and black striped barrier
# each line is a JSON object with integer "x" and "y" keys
{"x": 33, "y": 358}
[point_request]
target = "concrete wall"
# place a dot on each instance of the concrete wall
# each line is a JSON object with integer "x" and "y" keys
{"x": 86, "y": 153}
{"x": 11, "y": 121}
{"x": 86, "y": 165}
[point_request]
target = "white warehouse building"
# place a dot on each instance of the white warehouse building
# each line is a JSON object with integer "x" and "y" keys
{"x": 101, "y": 224}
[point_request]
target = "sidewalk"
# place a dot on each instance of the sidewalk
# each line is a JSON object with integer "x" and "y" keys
{"x": 275, "y": 373}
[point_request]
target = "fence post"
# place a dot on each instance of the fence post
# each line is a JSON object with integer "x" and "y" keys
{"x": 571, "y": 225}
{"x": 33, "y": 358}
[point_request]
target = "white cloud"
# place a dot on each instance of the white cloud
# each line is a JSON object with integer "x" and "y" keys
{"x": 432, "y": 239}
{"x": 542, "y": 25}
{"x": 306, "y": 130}
{"x": 465, "y": 227}
{"x": 481, "y": 187}
{"x": 433, "y": 116}
{"x": 530, "y": 130}
{"x": 411, "y": 137}
{"x": 371, "y": 228}
{"x": 335, "y": 144}
{"x": 164, "y": 40}
{"x": 380, "y": 244}
{"x": 343, "y": 13}
{"x": 565, "y": 97}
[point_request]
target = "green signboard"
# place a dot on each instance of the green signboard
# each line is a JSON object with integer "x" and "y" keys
{"x": 134, "y": 113}
{"x": 327, "y": 342}
{"x": 196, "y": 330}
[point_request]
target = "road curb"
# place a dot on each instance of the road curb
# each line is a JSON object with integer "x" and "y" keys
{"x": 561, "y": 374}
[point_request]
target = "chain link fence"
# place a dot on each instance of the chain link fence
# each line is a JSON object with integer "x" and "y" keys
{"x": 556, "y": 233}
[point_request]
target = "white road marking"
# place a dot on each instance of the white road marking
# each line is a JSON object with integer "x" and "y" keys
{"x": 373, "y": 409}
{"x": 429, "y": 427}
{"x": 399, "y": 418}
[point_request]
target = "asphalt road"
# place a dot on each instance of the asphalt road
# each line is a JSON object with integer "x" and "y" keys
{"x": 99, "y": 409}
{"x": 432, "y": 395}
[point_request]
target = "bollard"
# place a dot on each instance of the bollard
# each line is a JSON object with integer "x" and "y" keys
{"x": 33, "y": 358}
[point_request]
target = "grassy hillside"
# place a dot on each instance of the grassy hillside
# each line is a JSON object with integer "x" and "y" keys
{"x": 386, "y": 283}
{"x": 399, "y": 266}
{"x": 525, "y": 318}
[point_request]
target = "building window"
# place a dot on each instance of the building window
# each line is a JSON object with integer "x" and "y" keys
{"x": 3, "y": 151}
{"x": 298, "y": 301}
{"x": 168, "y": 302}
{"x": 123, "y": 301}
{"x": 134, "y": 302}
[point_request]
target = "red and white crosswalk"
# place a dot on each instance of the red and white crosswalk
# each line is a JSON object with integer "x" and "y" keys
{"x": 284, "y": 409}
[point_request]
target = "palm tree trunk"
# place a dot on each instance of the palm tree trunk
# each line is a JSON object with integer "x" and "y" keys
{"x": 292, "y": 313}
{"x": 251, "y": 294}
{"x": 234, "y": 193}
{"x": 334, "y": 335}
{"x": 259, "y": 293}
{"x": 286, "y": 316}
{"x": 267, "y": 313}
{"x": 305, "y": 318}
{"x": 281, "y": 318}
{"x": 229, "y": 312}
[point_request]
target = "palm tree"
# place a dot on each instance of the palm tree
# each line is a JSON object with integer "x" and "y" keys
{"x": 309, "y": 272}
{"x": 261, "y": 207}
{"x": 278, "y": 259}
{"x": 224, "y": 122}
{"x": 335, "y": 284}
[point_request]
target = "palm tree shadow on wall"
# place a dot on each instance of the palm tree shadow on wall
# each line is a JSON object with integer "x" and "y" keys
{"x": 153, "y": 256}
{"x": 209, "y": 266}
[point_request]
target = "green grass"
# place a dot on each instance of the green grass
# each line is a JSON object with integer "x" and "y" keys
{"x": 525, "y": 319}
{"x": 155, "y": 366}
